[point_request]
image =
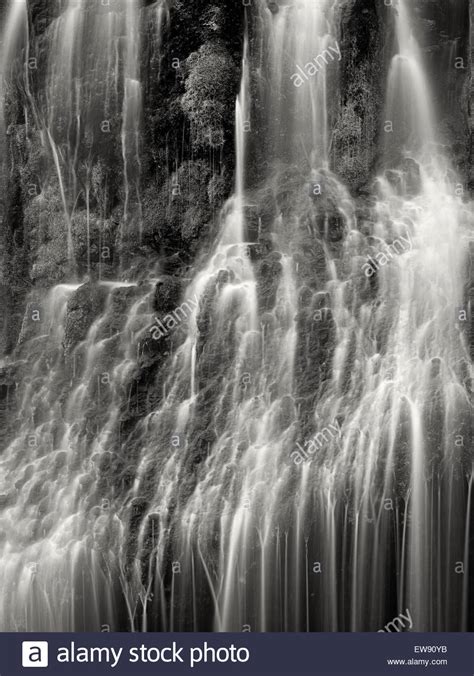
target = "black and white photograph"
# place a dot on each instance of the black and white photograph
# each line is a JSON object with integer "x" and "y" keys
{"x": 236, "y": 383}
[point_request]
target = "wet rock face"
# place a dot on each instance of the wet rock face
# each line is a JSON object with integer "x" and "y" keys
{"x": 178, "y": 216}
{"x": 200, "y": 45}
{"x": 367, "y": 44}
{"x": 357, "y": 128}
{"x": 42, "y": 14}
{"x": 8, "y": 385}
{"x": 84, "y": 306}
{"x": 167, "y": 294}
{"x": 442, "y": 31}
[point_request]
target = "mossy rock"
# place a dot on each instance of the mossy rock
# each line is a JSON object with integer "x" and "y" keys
{"x": 83, "y": 308}
{"x": 210, "y": 88}
{"x": 176, "y": 216}
{"x": 167, "y": 294}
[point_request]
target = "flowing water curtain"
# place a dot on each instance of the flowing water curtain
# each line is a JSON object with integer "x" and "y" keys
{"x": 408, "y": 485}
{"x": 67, "y": 572}
{"x": 200, "y": 519}
{"x": 234, "y": 440}
{"x": 64, "y": 571}
{"x": 91, "y": 104}
{"x": 299, "y": 63}
{"x": 409, "y": 101}
{"x": 364, "y": 510}
{"x": 226, "y": 288}
{"x": 14, "y": 67}
{"x": 223, "y": 543}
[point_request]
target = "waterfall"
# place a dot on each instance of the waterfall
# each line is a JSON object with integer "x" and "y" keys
{"x": 409, "y": 100}
{"x": 242, "y": 121}
{"x": 93, "y": 80}
{"x": 282, "y": 443}
{"x": 303, "y": 54}
{"x": 132, "y": 104}
{"x": 15, "y": 39}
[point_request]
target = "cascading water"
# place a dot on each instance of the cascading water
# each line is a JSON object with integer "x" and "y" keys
{"x": 296, "y": 468}
{"x": 132, "y": 106}
{"x": 303, "y": 51}
{"x": 56, "y": 456}
{"x": 92, "y": 90}
{"x": 15, "y": 40}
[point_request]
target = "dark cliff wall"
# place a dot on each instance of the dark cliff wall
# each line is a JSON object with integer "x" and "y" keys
{"x": 367, "y": 44}
{"x": 189, "y": 77}
{"x": 189, "y": 82}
